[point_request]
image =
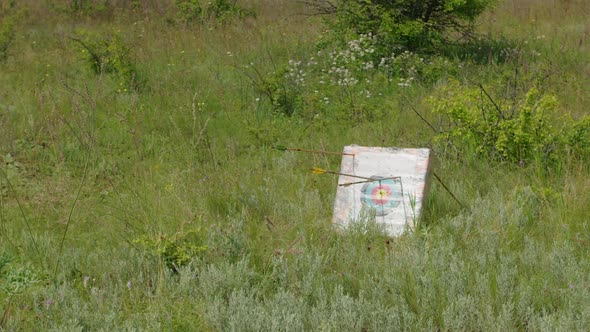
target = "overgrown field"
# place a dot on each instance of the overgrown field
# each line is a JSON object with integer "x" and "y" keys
{"x": 141, "y": 188}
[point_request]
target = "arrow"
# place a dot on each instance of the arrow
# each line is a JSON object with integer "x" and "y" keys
{"x": 317, "y": 170}
{"x": 372, "y": 180}
{"x": 284, "y": 148}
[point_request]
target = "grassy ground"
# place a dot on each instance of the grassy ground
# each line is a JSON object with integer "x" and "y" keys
{"x": 154, "y": 200}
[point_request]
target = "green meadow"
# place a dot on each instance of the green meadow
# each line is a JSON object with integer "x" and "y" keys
{"x": 141, "y": 187}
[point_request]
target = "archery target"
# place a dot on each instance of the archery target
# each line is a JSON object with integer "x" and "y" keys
{"x": 381, "y": 195}
{"x": 395, "y": 197}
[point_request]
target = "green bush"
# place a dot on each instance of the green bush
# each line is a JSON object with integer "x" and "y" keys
{"x": 223, "y": 10}
{"x": 282, "y": 90}
{"x": 174, "y": 250}
{"x": 189, "y": 11}
{"x": 351, "y": 77}
{"x": 109, "y": 54}
{"x": 409, "y": 24}
{"x": 519, "y": 131}
{"x": 577, "y": 136}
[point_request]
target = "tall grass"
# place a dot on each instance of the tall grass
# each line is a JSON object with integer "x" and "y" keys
{"x": 190, "y": 153}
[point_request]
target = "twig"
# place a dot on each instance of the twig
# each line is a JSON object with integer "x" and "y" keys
{"x": 492, "y": 100}
{"x": 447, "y": 189}
{"x": 420, "y": 115}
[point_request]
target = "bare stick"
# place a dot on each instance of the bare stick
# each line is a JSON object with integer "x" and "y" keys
{"x": 448, "y": 190}
{"x": 420, "y": 115}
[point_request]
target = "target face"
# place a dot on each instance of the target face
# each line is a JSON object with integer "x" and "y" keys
{"x": 381, "y": 195}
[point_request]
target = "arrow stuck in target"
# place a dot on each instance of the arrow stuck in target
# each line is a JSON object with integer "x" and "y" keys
{"x": 317, "y": 170}
{"x": 284, "y": 148}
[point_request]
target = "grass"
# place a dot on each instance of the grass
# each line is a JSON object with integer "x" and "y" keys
{"x": 189, "y": 156}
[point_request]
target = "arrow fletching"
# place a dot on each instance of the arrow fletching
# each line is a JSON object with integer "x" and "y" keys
{"x": 280, "y": 147}
{"x": 317, "y": 170}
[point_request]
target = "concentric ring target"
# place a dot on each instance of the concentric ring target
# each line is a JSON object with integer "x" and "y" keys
{"x": 381, "y": 195}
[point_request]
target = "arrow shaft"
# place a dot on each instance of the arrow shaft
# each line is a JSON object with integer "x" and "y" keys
{"x": 371, "y": 180}
{"x": 320, "y": 151}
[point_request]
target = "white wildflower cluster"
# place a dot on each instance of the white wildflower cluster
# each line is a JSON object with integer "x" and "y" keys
{"x": 403, "y": 65}
{"x": 296, "y": 73}
{"x": 342, "y": 76}
{"x": 405, "y": 82}
{"x": 366, "y": 93}
{"x": 361, "y": 47}
{"x": 347, "y": 66}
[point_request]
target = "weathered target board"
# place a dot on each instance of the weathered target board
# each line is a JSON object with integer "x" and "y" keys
{"x": 390, "y": 184}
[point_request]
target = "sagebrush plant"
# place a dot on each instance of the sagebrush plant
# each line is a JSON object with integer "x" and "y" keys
{"x": 532, "y": 129}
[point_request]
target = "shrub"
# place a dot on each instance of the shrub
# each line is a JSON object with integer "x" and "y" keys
{"x": 522, "y": 131}
{"x": 109, "y": 54}
{"x": 346, "y": 76}
{"x": 282, "y": 87}
{"x": 578, "y": 135}
{"x": 174, "y": 250}
{"x": 189, "y": 11}
{"x": 409, "y": 24}
{"x": 223, "y": 10}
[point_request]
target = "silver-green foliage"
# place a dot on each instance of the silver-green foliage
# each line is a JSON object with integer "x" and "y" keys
{"x": 484, "y": 269}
